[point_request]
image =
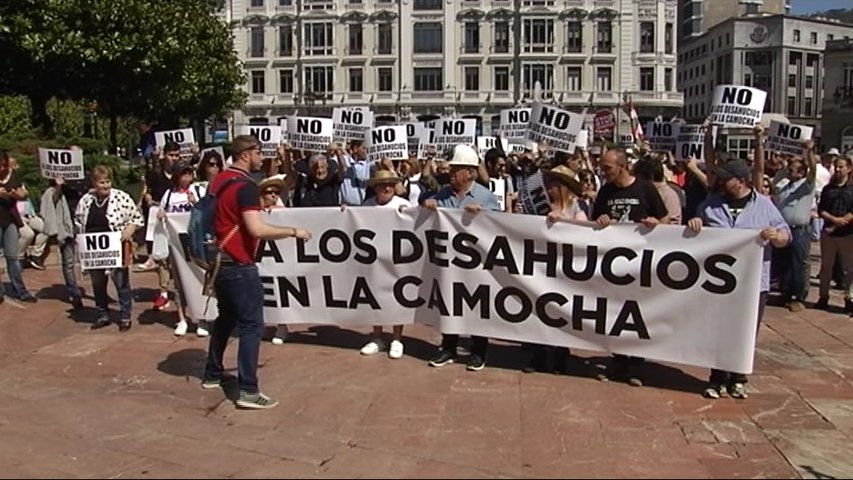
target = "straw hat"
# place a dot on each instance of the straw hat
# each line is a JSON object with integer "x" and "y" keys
{"x": 383, "y": 177}
{"x": 276, "y": 182}
{"x": 566, "y": 176}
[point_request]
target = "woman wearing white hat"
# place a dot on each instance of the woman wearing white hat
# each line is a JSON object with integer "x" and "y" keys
{"x": 384, "y": 184}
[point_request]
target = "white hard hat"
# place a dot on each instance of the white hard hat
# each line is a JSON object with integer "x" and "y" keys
{"x": 464, "y": 156}
{"x": 833, "y": 151}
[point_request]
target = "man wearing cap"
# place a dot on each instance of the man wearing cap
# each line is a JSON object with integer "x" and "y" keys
{"x": 463, "y": 193}
{"x": 738, "y": 205}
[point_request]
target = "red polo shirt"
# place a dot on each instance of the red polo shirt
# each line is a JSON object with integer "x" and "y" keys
{"x": 237, "y": 198}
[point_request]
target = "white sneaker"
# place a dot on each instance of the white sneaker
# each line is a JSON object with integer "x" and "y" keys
{"x": 371, "y": 348}
{"x": 277, "y": 341}
{"x": 396, "y": 350}
{"x": 181, "y": 329}
{"x": 201, "y": 331}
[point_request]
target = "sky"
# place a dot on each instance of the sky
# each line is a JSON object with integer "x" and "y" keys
{"x": 809, "y": 6}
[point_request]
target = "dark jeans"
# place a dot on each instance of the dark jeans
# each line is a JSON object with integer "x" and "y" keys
{"x": 721, "y": 377}
{"x": 479, "y": 345}
{"x": 240, "y": 296}
{"x": 796, "y": 264}
{"x": 9, "y": 242}
{"x": 121, "y": 280}
{"x": 67, "y": 254}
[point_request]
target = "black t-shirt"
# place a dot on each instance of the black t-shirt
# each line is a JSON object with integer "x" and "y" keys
{"x": 629, "y": 204}
{"x": 97, "y": 219}
{"x": 310, "y": 194}
{"x": 158, "y": 183}
{"x": 73, "y": 191}
{"x": 736, "y": 206}
{"x": 8, "y": 206}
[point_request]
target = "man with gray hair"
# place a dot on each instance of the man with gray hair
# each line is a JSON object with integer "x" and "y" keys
{"x": 319, "y": 188}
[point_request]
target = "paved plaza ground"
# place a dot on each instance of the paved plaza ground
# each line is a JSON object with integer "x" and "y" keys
{"x": 78, "y": 403}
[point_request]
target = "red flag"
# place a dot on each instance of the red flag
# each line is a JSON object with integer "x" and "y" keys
{"x": 636, "y": 128}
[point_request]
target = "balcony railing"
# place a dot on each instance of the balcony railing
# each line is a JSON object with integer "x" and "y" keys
{"x": 354, "y": 6}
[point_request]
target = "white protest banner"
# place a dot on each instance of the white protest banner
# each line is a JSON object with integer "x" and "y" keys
{"x": 426, "y": 143}
{"x": 99, "y": 251}
{"x": 618, "y": 289}
{"x": 351, "y": 124}
{"x": 414, "y": 130}
{"x": 661, "y": 135}
{"x": 513, "y": 126}
{"x": 218, "y": 150}
{"x": 787, "y": 138}
{"x": 64, "y": 164}
{"x": 690, "y": 142}
{"x": 583, "y": 139}
{"x": 557, "y": 127}
{"x": 516, "y": 148}
{"x": 309, "y": 133}
{"x": 484, "y": 144}
{"x": 387, "y": 142}
{"x": 737, "y": 106}
{"x": 498, "y": 188}
{"x": 268, "y": 135}
{"x": 183, "y": 137}
{"x": 450, "y": 132}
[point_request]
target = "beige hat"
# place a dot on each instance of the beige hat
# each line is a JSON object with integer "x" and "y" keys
{"x": 383, "y": 177}
{"x": 566, "y": 176}
{"x": 272, "y": 182}
{"x": 464, "y": 156}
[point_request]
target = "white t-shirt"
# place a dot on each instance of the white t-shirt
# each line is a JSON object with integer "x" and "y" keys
{"x": 395, "y": 202}
{"x": 179, "y": 201}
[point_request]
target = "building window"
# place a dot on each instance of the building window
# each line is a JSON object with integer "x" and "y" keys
{"x": 427, "y": 5}
{"x": 356, "y": 80}
{"x": 356, "y": 40}
{"x": 319, "y": 38}
{"x": 285, "y": 3}
{"x": 428, "y": 80}
{"x": 747, "y": 79}
{"x": 319, "y": 79}
{"x": 542, "y": 73}
{"x": 807, "y": 107}
{"x": 667, "y": 79}
{"x": 605, "y": 37}
{"x": 602, "y": 79}
{"x": 386, "y": 79}
{"x": 256, "y": 3}
{"x": 472, "y": 37}
{"x": 285, "y": 41}
{"x": 502, "y": 79}
{"x": 647, "y": 79}
{"x": 796, "y": 36}
{"x": 574, "y": 79}
{"x": 285, "y": 80}
{"x": 384, "y": 39}
{"x": 256, "y": 41}
{"x": 812, "y": 60}
{"x": 472, "y": 79}
{"x": 538, "y": 35}
{"x": 792, "y": 105}
{"x": 830, "y": 37}
{"x": 813, "y": 38}
{"x": 667, "y": 39}
{"x": 258, "y": 81}
{"x": 428, "y": 38}
{"x": 574, "y": 37}
{"x": 792, "y": 80}
{"x": 809, "y": 81}
{"x": 501, "y": 39}
{"x": 647, "y": 37}
{"x": 795, "y": 58}
{"x": 751, "y": 8}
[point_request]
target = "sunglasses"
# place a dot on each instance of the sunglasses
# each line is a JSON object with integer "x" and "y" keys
{"x": 271, "y": 192}
{"x": 214, "y": 164}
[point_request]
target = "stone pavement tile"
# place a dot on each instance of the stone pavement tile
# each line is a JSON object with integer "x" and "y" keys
{"x": 713, "y": 450}
{"x": 768, "y": 383}
{"x": 274, "y": 468}
{"x": 753, "y": 461}
{"x": 736, "y": 430}
{"x": 805, "y": 336}
{"x": 480, "y": 447}
{"x": 587, "y": 459}
{"x": 816, "y": 453}
{"x": 770, "y": 357}
{"x": 679, "y": 468}
{"x": 664, "y": 444}
{"x": 692, "y": 406}
{"x": 783, "y": 411}
{"x": 841, "y": 364}
{"x": 439, "y": 469}
{"x": 287, "y": 445}
{"x": 359, "y": 462}
{"x": 407, "y": 424}
{"x": 837, "y": 412}
{"x": 312, "y": 410}
{"x": 167, "y": 470}
{"x": 834, "y": 324}
{"x": 818, "y": 384}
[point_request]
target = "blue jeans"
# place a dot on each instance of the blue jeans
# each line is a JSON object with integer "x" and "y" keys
{"x": 240, "y": 298}
{"x": 9, "y": 241}
{"x": 816, "y": 227}
{"x": 121, "y": 280}
{"x": 67, "y": 251}
{"x": 797, "y": 271}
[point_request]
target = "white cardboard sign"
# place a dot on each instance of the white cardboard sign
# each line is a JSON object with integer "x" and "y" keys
{"x": 514, "y": 123}
{"x": 268, "y": 135}
{"x": 737, "y": 106}
{"x": 426, "y": 143}
{"x": 310, "y": 133}
{"x": 557, "y": 127}
{"x": 583, "y": 139}
{"x": 787, "y": 138}
{"x": 351, "y": 123}
{"x": 414, "y": 130}
{"x": 484, "y": 144}
{"x": 690, "y": 142}
{"x": 64, "y": 164}
{"x": 183, "y": 137}
{"x": 661, "y": 135}
{"x": 498, "y": 188}
{"x": 99, "y": 251}
{"x": 450, "y": 132}
{"x": 387, "y": 142}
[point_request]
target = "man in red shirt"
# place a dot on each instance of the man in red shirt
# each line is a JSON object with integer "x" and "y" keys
{"x": 239, "y": 293}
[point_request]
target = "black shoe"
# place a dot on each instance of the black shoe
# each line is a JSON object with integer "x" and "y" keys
{"x": 100, "y": 323}
{"x": 559, "y": 367}
{"x": 124, "y": 325}
{"x": 634, "y": 376}
{"x": 35, "y": 263}
{"x": 537, "y": 362}
{"x": 77, "y": 303}
{"x": 822, "y": 303}
{"x": 443, "y": 358}
{"x": 848, "y": 305}
{"x": 476, "y": 363}
{"x": 29, "y": 299}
